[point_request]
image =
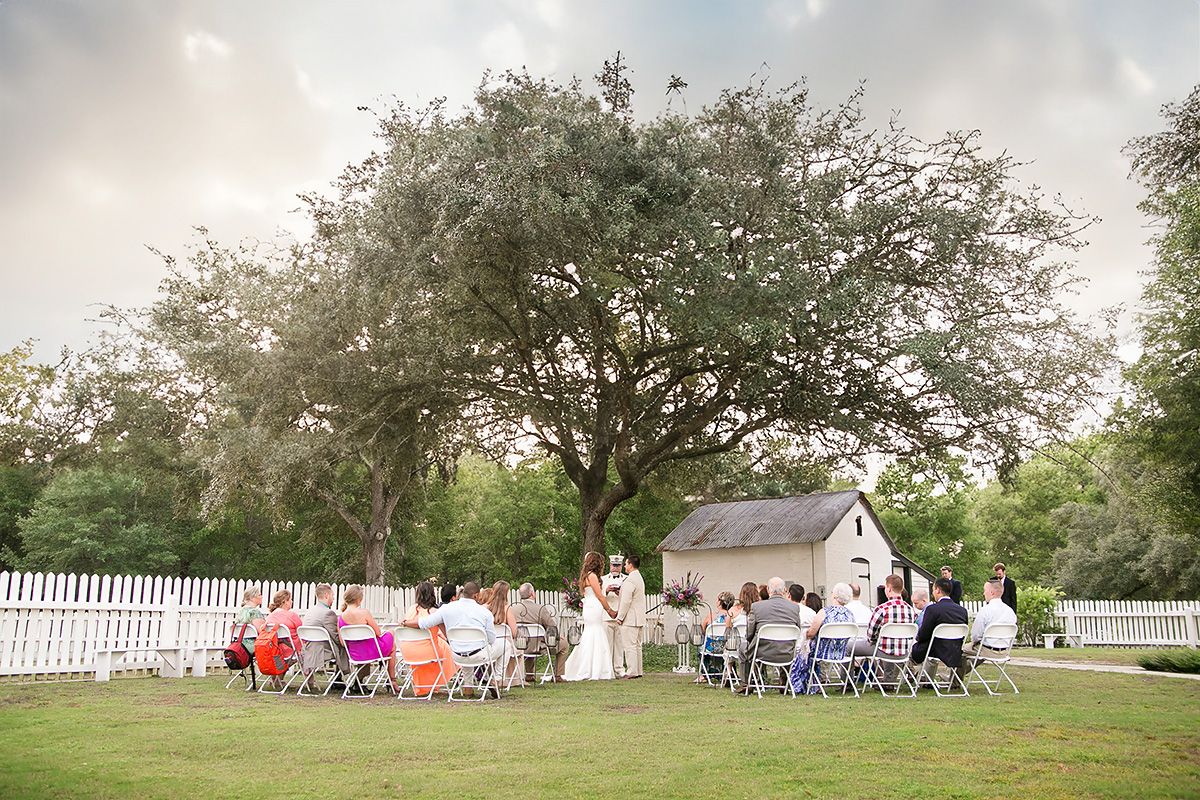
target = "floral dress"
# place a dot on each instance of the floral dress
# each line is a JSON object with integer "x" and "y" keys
{"x": 713, "y": 647}
{"x": 830, "y": 648}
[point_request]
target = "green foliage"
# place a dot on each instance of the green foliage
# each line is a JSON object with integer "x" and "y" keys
{"x": 19, "y": 488}
{"x": 1035, "y": 612}
{"x": 1175, "y": 660}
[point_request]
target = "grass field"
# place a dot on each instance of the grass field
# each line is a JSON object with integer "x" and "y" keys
{"x": 1086, "y": 655}
{"x": 1068, "y": 734}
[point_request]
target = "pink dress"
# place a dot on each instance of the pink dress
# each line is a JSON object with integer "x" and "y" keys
{"x": 364, "y": 650}
{"x": 289, "y": 619}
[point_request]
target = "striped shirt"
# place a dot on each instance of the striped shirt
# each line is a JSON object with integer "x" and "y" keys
{"x": 895, "y": 610}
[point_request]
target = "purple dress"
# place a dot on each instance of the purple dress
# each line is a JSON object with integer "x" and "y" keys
{"x": 365, "y": 650}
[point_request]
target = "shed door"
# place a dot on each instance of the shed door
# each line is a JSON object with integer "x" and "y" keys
{"x": 861, "y": 569}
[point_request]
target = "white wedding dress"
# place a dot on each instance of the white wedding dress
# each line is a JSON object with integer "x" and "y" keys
{"x": 591, "y": 659}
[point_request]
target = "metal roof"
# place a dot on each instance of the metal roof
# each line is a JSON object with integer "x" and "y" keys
{"x": 781, "y": 520}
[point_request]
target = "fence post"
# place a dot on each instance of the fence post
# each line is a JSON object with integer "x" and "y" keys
{"x": 168, "y": 640}
{"x": 1190, "y": 622}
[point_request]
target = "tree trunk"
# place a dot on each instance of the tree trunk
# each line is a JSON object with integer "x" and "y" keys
{"x": 374, "y": 546}
{"x": 596, "y": 505}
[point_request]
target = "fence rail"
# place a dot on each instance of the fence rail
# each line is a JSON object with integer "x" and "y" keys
{"x": 53, "y": 624}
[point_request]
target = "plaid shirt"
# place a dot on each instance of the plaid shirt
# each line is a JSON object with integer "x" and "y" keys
{"x": 892, "y": 611}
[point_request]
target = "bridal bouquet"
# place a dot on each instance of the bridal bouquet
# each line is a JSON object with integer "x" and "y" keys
{"x": 572, "y": 594}
{"x": 683, "y": 594}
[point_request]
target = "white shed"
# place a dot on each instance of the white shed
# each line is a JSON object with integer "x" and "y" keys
{"x": 816, "y": 540}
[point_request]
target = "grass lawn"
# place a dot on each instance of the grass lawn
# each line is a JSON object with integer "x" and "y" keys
{"x": 1087, "y": 655}
{"x": 1068, "y": 734}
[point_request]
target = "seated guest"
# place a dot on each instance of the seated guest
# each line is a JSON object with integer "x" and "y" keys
{"x": 802, "y": 667}
{"x": 942, "y": 610}
{"x": 282, "y": 614}
{"x": 894, "y": 610}
{"x": 354, "y": 614}
{"x": 776, "y": 609}
{"x": 427, "y": 677}
{"x": 465, "y": 612}
{"x": 528, "y": 612}
{"x": 449, "y": 594}
{"x": 860, "y": 610}
{"x": 321, "y": 615}
{"x": 797, "y": 595}
{"x": 504, "y": 617}
{"x": 994, "y": 610}
{"x": 763, "y": 592}
{"x": 484, "y": 597}
{"x": 746, "y": 598}
{"x": 813, "y": 601}
{"x": 250, "y": 613}
{"x": 920, "y": 599}
{"x": 713, "y": 647}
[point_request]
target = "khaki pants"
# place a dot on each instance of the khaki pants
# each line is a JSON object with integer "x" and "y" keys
{"x": 631, "y": 648}
{"x": 613, "y": 631}
{"x": 969, "y": 651}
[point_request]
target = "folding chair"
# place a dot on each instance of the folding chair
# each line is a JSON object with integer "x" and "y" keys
{"x": 715, "y": 630}
{"x": 250, "y": 673}
{"x": 840, "y": 666}
{"x": 928, "y": 671}
{"x": 733, "y": 640}
{"x": 377, "y": 664}
{"x": 293, "y": 664}
{"x": 476, "y": 665}
{"x": 878, "y": 659}
{"x": 315, "y": 634}
{"x": 1004, "y": 631}
{"x": 403, "y": 634}
{"x": 504, "y": 634}
{"x": 533, "y": 632}
{"x": 772, "y": 633}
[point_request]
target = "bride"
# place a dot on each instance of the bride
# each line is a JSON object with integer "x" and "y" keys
{"x": 591, "y": 660}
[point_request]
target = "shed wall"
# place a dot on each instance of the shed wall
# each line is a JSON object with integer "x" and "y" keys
{"x": 726, "y": 569}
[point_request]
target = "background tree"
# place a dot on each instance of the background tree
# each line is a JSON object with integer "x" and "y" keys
{"x": 631, "y": 295}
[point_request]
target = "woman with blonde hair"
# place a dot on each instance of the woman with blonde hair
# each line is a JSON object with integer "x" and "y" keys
{"x": 591, "y": 660}
{"x": 354, "y": 614}
{"x": 503, "y": 616}
{"x": 427, "y": 677}
{"x": 251, "y": 612}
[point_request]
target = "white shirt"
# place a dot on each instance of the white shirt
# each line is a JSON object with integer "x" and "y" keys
{"x": 994, "y": 610}
{"x": 807, "y": 615}
{"x": 462, "y": 613}
{"x": 861, "y": 612}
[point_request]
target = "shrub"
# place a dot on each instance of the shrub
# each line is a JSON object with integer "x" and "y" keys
{"x": 1177, "y": 660}
{"x": 1035, "y": 613}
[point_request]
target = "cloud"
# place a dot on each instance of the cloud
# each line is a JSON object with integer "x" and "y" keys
{"x": 202, "y": 43}
{"x": 504, "y": 47}
{"x": 1135, "y": 77}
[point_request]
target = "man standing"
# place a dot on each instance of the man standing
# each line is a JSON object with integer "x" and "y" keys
{"x": 994, "y": 610}
{"x": 955, "y": 585}
{"x": 941, "y": 610}
{"x": 775, "y": 609}
{"x": 611, "y": 584}
{"x": 631, "y": 617}
{"x": 528, "y": 612}
{"x": 314, "y": 654}
{"x": 1009, "y": 595}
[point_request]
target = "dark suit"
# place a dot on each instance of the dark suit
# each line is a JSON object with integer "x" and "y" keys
{"x": 772, "y": 611}
{"x": 1009, "y": 595}
{"x": 948, "y": 651}
{"x": 956, "y": 590}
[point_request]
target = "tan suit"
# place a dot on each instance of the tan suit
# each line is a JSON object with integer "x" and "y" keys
{"x": 631, "y": 613}
{"x": 314, "y": 655}
{"x": 528, "y": 612}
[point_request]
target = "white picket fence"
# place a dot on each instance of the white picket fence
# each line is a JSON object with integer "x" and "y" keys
{"x": 51, "y": 625}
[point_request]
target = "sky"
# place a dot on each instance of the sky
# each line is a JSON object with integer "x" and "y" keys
{"x": 123, "y": 125}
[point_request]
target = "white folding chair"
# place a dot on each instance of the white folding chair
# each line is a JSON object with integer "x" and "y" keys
{"x": 878, "y": 660}
{"x": 376, "y": 664}
{"x": 403, "y": 634}
{"x": 998, "y": 657}
{"x": 927, "y": 672}
{"x": 715, "y": 630}
{"x": 293, "y": 664}
{"x": 507, "y": 654}
{"x": 476, "y": 667}
{"x": 250, "y": 673}
{"x": 311, "y": 635}
{"x": 533, "y": 632}
{"x": 839, "y": 665}
{"x": 772, "y": 633}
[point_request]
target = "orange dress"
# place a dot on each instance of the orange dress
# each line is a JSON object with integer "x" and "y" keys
{"x": 426, "y": 675}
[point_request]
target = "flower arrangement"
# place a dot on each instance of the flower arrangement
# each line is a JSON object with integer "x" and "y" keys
{"x": 572, "y": 594}
{"x": 683, "y": 594}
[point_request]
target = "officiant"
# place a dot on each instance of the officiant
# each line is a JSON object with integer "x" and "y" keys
{"x": 611, "y": 584}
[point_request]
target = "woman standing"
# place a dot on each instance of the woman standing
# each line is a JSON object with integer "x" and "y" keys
{"x": 591, "y": 660}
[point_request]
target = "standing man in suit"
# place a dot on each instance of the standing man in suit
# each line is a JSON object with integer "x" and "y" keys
{"x": 776, "y": 609}
{"x": 631, "y": 617}
{"x": 941, "y": 610}
{"x": 956, "y": 585}
{"x": 528, "y": 612}
{"x": 314, "y": 654}
{"x": 1009, "y": 595}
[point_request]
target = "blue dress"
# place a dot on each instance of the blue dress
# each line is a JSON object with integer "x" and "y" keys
{"x": 713, "y": 647}
{"x": 830, "y": 648}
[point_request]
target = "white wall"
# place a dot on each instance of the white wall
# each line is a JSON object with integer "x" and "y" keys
{"x": 845, "y": 544}
{"x": 726, "y": 569}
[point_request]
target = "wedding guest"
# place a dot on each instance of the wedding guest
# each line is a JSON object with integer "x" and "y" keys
{"x": 465, "y": 612}
{"x": 776, "y": 609}
{"x": 354, "y": 614}
{"x": 955, "y": 584}
{"x": 714, "y": 645}
{"x": 894, "y": 610}
{"x": 428, "y": 677}
{"x": 813, "y": 601}
{"x": 797, "y": 595}
{"x": 920, "y": 599}
{"x": 504, "y": 617}
{"x": 529, "y": 612}
{"x": 801, "y": 672}
{"x": 763, "y": 593}
{"x": 322, "y": 615}
{"x": 1009, "y": 594}
{"x": 449, "y": 594}
{"x": 485, "y": 597}
{"x": 994, "y": 610}
{"x": 282, "y": 614}
{"x": 860, "y": 610}
{"x": 746, "y": 598}
{"x": 250, "y": 613}
{"x": 941, "y": 610}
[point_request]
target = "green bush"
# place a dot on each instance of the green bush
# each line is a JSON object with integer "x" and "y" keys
{"x": 1176, "y": 660}
{"x": 1035, "y": 613}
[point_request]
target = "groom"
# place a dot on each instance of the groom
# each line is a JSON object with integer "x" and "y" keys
{"x": 631, "y": 617}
